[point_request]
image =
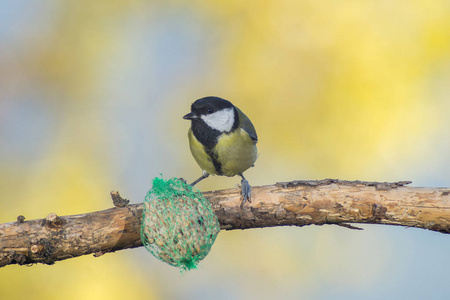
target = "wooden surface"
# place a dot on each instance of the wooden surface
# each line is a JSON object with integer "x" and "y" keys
{"x": 297, "y": 203}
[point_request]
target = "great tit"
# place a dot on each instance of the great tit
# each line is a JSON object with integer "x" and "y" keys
{"x": 222, "y": 140}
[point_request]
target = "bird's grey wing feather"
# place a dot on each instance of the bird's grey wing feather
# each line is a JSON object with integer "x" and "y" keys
{"x": 247, "y": 125}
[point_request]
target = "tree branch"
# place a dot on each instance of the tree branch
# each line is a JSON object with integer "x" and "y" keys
{"x": 296, "y": 203}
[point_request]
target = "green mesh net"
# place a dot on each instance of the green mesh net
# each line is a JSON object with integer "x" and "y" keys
{"x": 179, "y": 226}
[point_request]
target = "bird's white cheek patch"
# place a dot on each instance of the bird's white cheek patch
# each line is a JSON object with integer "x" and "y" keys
{"x": 221, "y": 120}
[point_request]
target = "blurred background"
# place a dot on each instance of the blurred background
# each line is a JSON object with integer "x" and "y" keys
{"x": 92, "y": 95}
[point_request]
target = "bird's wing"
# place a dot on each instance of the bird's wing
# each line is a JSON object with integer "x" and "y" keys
{"x": 247, "y": 125}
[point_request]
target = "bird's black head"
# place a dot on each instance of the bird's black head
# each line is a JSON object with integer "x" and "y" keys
{"x": 211, "y": 116}
{"x": 206, "y": 106}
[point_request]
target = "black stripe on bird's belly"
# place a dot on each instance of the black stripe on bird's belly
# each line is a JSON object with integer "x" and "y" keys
{"x": 208, "y": 137}
{"x": 215, "y": 160}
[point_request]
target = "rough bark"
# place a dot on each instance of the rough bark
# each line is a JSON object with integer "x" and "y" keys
{"x": 296, "y": 203}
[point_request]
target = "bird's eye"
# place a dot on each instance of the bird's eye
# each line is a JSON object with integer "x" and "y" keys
{"x": 210, "y": 110}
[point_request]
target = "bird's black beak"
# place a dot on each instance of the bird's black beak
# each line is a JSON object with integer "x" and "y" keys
{"x": 191, "y": 116}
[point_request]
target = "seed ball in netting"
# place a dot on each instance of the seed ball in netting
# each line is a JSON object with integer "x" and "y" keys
{"x": 179, "y": 226}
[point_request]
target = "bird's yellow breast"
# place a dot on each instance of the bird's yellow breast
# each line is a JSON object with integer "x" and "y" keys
{"x": 235, "y": 151}
{"x": 200, "y": 155}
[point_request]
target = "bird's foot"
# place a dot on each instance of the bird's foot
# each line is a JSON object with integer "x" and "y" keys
{"x": 246, "y": 192}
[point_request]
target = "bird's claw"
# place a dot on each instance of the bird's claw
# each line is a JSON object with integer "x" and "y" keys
{"x": 246, "y": 192}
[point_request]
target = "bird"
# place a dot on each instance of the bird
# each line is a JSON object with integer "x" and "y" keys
{"x": 222, "y": 140}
